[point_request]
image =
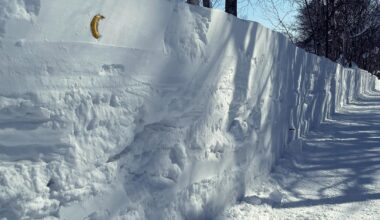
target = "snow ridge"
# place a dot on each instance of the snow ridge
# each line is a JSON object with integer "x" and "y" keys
{"x": 175, "y": 120}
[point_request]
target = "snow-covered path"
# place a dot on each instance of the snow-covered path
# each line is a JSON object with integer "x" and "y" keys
{"x": 336, "y": 175}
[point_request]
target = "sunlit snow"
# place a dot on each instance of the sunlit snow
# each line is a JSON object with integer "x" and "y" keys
{"x": 177, "y": 112}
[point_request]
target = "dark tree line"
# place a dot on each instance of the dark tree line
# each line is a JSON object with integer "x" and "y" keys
{"x": 346, "y": 31}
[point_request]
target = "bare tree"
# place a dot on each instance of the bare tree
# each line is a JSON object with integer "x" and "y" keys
{"x": 231, "y": 7}
{"x": 346, "y": 31}
{"x": 193, "y": 2}
{"x": 207, "y": 3}
{"x": 216, "y": 3}
{"x": 277, "y": 16}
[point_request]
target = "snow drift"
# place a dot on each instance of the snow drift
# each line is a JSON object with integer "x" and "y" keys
{"x": 174, "y": 113}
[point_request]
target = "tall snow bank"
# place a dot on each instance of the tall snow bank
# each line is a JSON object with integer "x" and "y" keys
{"x": 355, "y": 90}
{"x": 174, "y": 113}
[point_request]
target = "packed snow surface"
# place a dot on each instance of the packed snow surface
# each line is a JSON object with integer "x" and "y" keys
{"x": 177, "y": 112}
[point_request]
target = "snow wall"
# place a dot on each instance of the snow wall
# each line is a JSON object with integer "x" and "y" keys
{"x": 176, "y": 112}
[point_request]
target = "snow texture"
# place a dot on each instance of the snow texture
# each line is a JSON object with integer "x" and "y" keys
{"x": 335, "y": 173}
{"x": 175, "y": 113}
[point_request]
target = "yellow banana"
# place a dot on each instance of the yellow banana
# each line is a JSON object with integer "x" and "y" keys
{"x": 95, "y": 25}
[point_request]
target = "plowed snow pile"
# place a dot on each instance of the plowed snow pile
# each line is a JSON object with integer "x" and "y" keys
{"x": 175, "y": 113}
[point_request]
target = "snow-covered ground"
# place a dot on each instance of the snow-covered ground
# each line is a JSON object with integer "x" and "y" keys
{"x": 177, "y": 112}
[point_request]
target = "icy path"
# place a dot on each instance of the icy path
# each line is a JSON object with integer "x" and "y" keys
{"x": 336, "y": 175}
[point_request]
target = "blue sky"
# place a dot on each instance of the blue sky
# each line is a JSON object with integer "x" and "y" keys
{"x": 264, "y": 16}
